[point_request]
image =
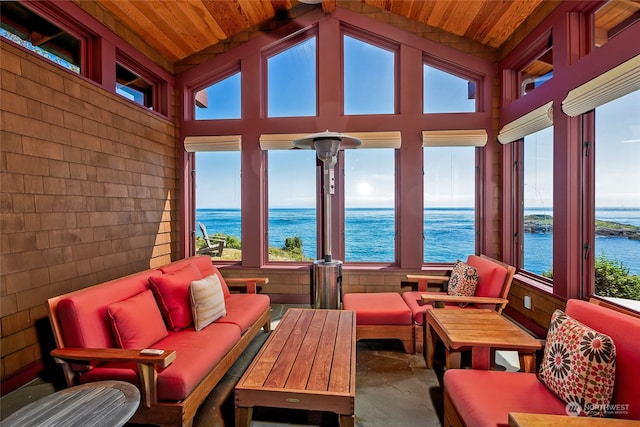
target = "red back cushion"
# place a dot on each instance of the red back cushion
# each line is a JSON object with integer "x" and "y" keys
{"x": 137, "y": 322}
{"x": 624, "y": 330}
{"x": 83, "y": 314}
{"x": 172, "y": 293}
{"x": 491, "y": 276}
{"x": 205, "y": 266}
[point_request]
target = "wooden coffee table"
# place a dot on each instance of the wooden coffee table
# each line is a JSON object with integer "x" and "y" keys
{"x": 308, "y": 362}
{"x": 478, "y": 330}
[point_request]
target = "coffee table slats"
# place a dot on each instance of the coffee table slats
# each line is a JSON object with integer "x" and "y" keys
{"x": 342, "y": 364}
{"x": 278, "y": 376}
{"x": 321, "y": 369}
{"x": 300, "y": 371}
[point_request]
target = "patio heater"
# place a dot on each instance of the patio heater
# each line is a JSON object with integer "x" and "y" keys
{"x": 327, "y": 272}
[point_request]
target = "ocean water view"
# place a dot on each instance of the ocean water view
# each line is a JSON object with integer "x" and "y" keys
{"x": 449, "y": 234}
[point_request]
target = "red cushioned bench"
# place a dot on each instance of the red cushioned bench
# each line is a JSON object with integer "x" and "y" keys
{"x": 382, "y": 315}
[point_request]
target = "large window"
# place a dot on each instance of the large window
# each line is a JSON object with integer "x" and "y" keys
{"x": 617, "y": 198}
{"x": 218, "y": 200}
{"x": 292, "y": 81}
{"x": 369, "y": 78}
{"x": 369, "y": 202}
{"x": 536, "y": 249}
{"x": 292, "y": 205}
{"x": 449, "y": 203}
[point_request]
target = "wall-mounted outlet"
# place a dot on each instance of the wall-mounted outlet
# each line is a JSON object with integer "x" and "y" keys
{"x": 527, "y": 302}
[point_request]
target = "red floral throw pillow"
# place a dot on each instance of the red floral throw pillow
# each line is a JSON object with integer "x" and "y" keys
{"x": 579, "y": 364}
{"x": 463, "y": 280}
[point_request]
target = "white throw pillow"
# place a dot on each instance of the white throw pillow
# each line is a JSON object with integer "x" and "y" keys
{"x": 207, "y": 301}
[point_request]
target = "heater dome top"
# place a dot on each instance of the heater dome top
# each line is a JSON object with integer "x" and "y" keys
{"x": 345, "y": 141}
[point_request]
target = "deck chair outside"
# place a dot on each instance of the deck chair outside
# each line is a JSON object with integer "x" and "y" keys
{"x": 215, "y": 245}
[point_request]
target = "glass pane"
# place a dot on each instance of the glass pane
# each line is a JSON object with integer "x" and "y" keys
{"x": 613, "y": 18}
{"x": 617, "y": 198}
{"x": 369, "y": 78}
{"x": 369, "y": 203}
{"x": 539, "y": 70}
{"x": 218, "y": 200}
{"x": 40, "y": 36}
{"x": 449, "y": 203}
{"x": 447, "y": 93}
{"x": 292, "y": 205}
{"x": 221, "y": 100}
{"x": 133, "y": 87}
{"x": 292, "y": 81}
{"x": 538, "y": 202}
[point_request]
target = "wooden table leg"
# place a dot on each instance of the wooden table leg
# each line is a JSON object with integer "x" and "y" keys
{"x": 346, "y": 420}
{"x": 243, "y": 416}
{"x": 452, "y": 359}
{"x": 429, "y": 344}
{"x": 480, "y": 357}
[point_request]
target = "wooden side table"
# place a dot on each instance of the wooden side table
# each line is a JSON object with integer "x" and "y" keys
{"x": 478, "y": 330}
{"x": 99, "y": 404}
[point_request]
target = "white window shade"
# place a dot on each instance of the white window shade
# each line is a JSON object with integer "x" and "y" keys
{"x": 534, "y": 121}
{"x": 280, "y": 141}
{"x": 212, "y": 143}
{"x": 615, "y": 83}
{"x": 284, "y": 141}
{"x": 454, "y": 138}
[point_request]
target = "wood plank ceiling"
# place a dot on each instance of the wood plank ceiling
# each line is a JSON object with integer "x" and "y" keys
{"x": 178, "y": 29}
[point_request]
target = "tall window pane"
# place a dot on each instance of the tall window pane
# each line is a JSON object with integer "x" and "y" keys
{"x": 218, "y": 200}
{"x": 617, "y": 198}
{"x": 538, "y": 202}
{"x": 221, "y": 100}
{"x": 447, "y": 93}
{"x": 292, "y": 81}
{"x": 369, "y": 78}
{"x": 369, "y": 203}
{"x": 292, "y": 205}
{"x": 449, "y": 203}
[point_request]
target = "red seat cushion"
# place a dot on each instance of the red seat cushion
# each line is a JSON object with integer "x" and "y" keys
{"x": 485, "y": 398}
{"x": 244, "y": 309}
{"x": 379, "y": 308}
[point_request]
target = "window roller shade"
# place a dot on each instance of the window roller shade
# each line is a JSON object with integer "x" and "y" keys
{"x": 212, "y": 143}
{"x": 454, "y": 138}
{"x": 534, "y": 121}
{"x": 615, "y": 83}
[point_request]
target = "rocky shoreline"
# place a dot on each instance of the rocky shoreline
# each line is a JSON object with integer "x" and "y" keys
{"x": 544, "y": 224}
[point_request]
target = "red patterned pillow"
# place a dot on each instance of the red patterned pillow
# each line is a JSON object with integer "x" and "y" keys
{"x": 579, "y": 364}
{"x": 463, "y": 280}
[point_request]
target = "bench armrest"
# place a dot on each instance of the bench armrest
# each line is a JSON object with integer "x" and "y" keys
{"x": 435, "y": 299}
{"x": 148, "y": 365}
{"x": 250, "y": 282}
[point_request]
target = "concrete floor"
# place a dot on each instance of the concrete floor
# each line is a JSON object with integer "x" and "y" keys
{"x": 392, "y": 389}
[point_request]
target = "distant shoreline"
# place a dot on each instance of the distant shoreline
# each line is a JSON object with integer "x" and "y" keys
{"x": 540, "y": 223}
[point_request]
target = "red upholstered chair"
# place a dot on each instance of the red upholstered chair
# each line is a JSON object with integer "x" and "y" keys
{"x": 485, "y": 398}
{"x": 494, "y": 282}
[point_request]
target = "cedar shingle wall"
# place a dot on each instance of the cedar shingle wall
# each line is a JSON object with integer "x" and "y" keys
{"x": 88, "y": 193}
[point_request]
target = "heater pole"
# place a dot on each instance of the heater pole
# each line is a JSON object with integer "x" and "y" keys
{"x": 329, "y": 185}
